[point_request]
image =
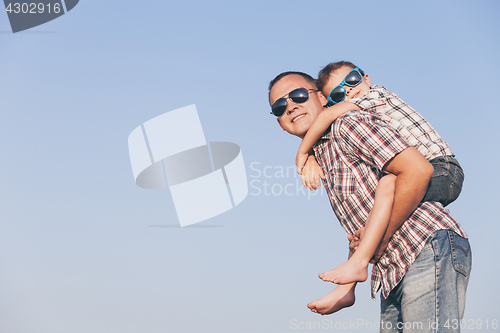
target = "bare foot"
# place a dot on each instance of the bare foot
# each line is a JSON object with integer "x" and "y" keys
{"x": 340, "y": 297}
{"x": 348, "y": 272}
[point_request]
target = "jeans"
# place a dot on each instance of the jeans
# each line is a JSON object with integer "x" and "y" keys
{"x": 431, "y": 296}
{"x": 446, "y": 181}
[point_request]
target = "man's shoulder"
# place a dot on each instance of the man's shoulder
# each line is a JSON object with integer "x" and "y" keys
{"x": 361, "y": 126}
{"x": 344, "y": 123}
{"x": 354, "y": 117}
{"x": 352, "y": 121}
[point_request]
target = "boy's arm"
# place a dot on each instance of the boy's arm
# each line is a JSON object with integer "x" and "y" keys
{"x": 318, "y": 127}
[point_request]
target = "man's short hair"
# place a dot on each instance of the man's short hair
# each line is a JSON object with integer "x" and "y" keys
{"x": 324, "y": 74}
{"x": 308, "y": 78}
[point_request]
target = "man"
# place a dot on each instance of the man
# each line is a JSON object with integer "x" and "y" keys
{"x": 424, "y": 259}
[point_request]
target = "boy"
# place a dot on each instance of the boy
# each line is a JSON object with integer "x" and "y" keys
{"x": 347, "y": 88}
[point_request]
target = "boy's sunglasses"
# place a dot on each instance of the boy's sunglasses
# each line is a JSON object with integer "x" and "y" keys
{"x": 352, "y": 79}
{"x": 299, "y": 95}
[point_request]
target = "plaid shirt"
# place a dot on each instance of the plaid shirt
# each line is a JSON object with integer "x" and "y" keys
{"x": 407, "y": 122}
{"x": 352, "y": 156}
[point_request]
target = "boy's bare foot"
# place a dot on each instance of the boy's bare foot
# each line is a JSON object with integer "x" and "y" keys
{"x": 340, "y": 297}
{"x": 348, "y": 272}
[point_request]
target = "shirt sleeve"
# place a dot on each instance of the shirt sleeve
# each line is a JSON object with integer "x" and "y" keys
{"x": 363, "y": 136}
{"x": 370, "y": 101}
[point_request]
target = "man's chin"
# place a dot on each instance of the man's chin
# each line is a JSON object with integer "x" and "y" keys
{"x": 301, "y": 134}
{"x": 297, "y": 134}
{"x": 301, "y": 130}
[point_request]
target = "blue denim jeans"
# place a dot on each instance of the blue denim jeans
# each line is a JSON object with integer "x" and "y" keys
{"x": 446, "y": 181}
{"x": 431, "y": 296}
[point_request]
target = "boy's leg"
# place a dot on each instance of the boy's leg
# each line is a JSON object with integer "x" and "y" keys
{"x": 431, "y": 296}
{"x": 356, "y": 268}
{"x": 446, "y": 182}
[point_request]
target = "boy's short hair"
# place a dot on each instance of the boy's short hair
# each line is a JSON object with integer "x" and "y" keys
{"x": 324, "y": 74}
{"x": 308, "y": 78}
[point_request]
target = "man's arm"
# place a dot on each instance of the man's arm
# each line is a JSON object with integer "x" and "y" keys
{"x": 413, "y": 173}
{"x": 377, "y": 144}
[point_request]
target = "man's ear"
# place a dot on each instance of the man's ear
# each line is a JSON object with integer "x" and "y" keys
{"x": 322, "y": 98}
{"x": 367, "y": 79}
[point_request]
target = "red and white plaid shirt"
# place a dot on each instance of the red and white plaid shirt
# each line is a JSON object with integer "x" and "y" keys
{"x": 405, "y": 120}
{"x": 352, "y": 156}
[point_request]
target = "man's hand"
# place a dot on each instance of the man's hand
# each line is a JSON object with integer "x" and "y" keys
{"x": 312, "y": 174}
{"x": 379, "y": 251}
{"x": 355, "y": 239}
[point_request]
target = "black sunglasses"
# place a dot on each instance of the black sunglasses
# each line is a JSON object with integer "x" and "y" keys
{"x": 299, "y": 95}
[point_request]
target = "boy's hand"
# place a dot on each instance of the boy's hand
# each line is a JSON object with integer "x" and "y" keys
{"x": 300, "y": 161}
{"x": 312, "y": 174}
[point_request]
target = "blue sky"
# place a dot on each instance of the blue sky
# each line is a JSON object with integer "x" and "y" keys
{"x": 80, "y": 246}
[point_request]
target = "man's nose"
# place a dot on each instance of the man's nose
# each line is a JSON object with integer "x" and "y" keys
{"x": 291, "y": 106}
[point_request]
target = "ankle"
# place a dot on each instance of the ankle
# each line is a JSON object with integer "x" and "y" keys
{"x": 360, "y": 261}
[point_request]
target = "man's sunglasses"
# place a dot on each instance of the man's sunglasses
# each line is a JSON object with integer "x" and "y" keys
{"x": 299, "y": 95}
{"x": 352, "y": 79}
